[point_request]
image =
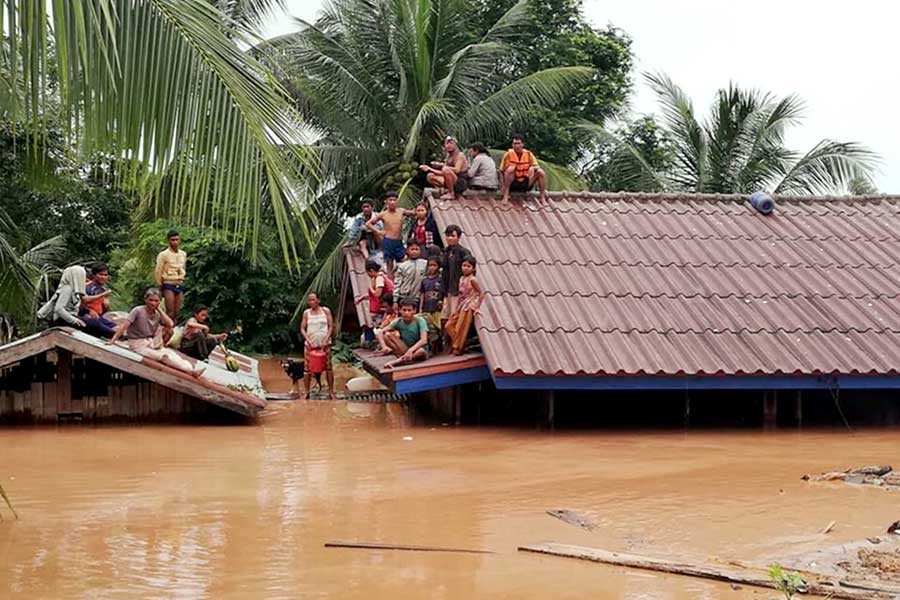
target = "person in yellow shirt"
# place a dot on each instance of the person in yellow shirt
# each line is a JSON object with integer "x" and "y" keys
{"x": 170, "y": 274}
{"x": 520, "y": 171}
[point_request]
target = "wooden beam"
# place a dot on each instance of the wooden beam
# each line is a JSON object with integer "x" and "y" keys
{"x": 404, "y": 547}
{"x": 821, "y": 585}
{"x": 17, "y": 351}
{"x": 64, "y": 381}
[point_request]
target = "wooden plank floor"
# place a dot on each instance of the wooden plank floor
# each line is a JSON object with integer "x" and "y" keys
{"x": 443, "y": 363}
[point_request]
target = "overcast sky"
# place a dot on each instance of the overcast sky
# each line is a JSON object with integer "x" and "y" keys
{"x": 839, "y": 57}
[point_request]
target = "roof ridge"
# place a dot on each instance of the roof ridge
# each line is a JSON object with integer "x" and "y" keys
{"x": 832, "y": 296}
{"x": 721, "y": 264}
{"x": 432, "y": 194}
{"x": 676, "y": 237}
{"x": 703, "y": 331}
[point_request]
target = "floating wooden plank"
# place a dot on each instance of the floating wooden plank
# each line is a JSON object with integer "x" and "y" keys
{"x": 401, "y": 547}
{"x": 822, "y": 585}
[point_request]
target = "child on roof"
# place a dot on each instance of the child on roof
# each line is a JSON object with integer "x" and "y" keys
{"x": 470, "y": 296}
{"x": 410, "y": 273}
{"x": 424, "y": 229}
{"x": 431, "y": 300}
{"x": 380, "y": 285}
{"x": 392, "y": 241}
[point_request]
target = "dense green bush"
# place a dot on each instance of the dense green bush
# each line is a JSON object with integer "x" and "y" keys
{"x": 254, "y": 301}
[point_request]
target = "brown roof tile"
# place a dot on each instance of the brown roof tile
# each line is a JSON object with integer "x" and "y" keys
{"x": 632, "y": 284}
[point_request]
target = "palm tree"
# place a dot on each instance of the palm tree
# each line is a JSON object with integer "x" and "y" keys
{"x": 383, "y": 81}
{"x": 21, "y": 271}
{"x": 163, "y": 90}
{"x": 738, "y": 148}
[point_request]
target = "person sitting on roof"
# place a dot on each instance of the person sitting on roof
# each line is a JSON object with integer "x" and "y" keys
{"x": 452, "y": 173}
{"x": 482, "y": 170}
{"x": 379, "y": 285}
{"x": 519, "y": 170}
{"x": 196, "y": 341}
{"x": 408, "y": 275}
{"x": 412, "y": 342}
{"x": 389, "y": 314}
{"x": 470, "y": 296}
{"x": 424, "y": 229}
{"x": 368, "y": 241}
{"x": 95, "y": 303}
{"x": 63, "y": 307}
{"x": 392, "y": 219}
{"x": 144, "y": 328}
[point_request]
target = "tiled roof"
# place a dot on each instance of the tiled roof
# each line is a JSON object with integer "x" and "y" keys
{"x": 656, "y": 284}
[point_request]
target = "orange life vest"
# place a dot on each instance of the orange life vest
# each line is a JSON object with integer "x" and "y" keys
{"x": 521, "y": 163}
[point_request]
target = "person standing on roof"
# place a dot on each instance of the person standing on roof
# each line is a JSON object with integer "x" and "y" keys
{"x": 380, "y": 286}
{"x": 482, "y": 170}
{"x": 452, "y": 173}
{"x": 392, "y": 242}
{"x": 360, "y": 236}
{"x": 170, "y": 273}
{"x": 144, "y": 326}
{"x": 409, "y": 274}
{"x": 470, "y": 295}
{"x": 451, "y": 270}
{"x": 317, "y": 327}
{"x": 520, "y": 170}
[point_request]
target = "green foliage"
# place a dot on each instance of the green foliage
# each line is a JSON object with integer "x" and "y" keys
{"x": 738, "y": 148}
{"x": 385, "y": 81}
{"x": 165, "y": 90}
{"x": 253, "y": 300}
{"x": 559, "y": 35}
{"x": 786, "y": 582}
{"x": 609, "y": 170}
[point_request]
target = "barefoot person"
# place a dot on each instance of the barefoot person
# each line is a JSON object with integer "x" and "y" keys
{"x": 519, "y": 170}
{"x": 452, "y": 173}
{"x": 412, "y": 343}
{"x": 197, "y": 341}
{"x": 470, "y": 296}
{"x": 144, "y": 326}
{"x": 170, "y": 274}
{"x": 392, "y": 242}
{"x": 366, "y": 240}
{"x": 317, "y": 327}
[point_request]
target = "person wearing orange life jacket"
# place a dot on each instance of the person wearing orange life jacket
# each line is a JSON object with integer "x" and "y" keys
{"x": 519, "y": 170}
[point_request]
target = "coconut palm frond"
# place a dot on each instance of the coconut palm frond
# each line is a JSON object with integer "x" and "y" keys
{"x": 163, "y": 87}
{"x": 542, "y": 89}
{"x": 634, "y": 171}
{"x": 690, "y": 146}
{"x": 828, "y": 167}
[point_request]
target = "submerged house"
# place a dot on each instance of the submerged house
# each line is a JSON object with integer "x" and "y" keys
{"x": 633, "y": 291}
{"x": 64, "y": 374}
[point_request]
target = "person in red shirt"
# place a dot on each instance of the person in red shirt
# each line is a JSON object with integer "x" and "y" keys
{"x": 520, "y": 171}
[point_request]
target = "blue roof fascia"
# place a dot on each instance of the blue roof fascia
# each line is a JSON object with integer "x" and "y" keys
{"x": 699, "y": 382}
{"x": 442, "y": 380}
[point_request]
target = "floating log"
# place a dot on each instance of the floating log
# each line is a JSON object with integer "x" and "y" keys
{"x": 829, "y": 527}
{"x": 402, "y": 547}
{"x": 747, "y": 576}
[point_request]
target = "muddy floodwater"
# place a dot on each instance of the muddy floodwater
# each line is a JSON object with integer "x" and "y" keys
{"x": 243, "y": 511}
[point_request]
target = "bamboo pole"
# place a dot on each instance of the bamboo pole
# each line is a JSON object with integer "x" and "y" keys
{"x": 745, "y": 576}
{"x": 403, "y": 547}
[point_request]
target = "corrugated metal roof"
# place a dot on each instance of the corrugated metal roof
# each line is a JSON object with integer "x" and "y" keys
{"x": 659, "y": 284}
{"x": 359, "y": 283}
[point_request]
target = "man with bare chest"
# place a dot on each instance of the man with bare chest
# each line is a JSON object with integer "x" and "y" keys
{"x": 392, "y": 220}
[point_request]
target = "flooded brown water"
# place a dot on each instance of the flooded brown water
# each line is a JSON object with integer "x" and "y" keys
{"x": 243, "y": 512}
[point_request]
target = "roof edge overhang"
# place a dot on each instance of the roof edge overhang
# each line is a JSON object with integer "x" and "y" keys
{"x": 697, "y": 382}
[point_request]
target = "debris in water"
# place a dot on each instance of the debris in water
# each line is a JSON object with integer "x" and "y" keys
{"x": 404, "y": 547}
{"x": 894, "y": 527}
{"x": 882, "y": 476}
{"x": 572, "y": 518}
{"x": 829, "y": 527}
{"x": 407, "y": 438}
